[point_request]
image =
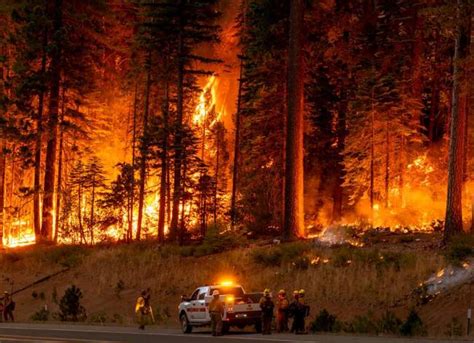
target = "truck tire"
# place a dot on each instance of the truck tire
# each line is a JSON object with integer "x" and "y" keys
{"x": 185, "y": 326}
{"x": 258, "y": 326}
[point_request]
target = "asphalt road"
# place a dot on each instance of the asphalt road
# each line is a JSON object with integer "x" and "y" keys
{"x": 104, "y": 334}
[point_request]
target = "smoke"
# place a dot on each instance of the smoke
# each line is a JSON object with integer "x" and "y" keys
{"x": 449, "y": 278}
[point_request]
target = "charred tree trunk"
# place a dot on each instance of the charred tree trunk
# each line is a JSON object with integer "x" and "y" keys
{"x": 38, "y": 146}
{"x": 387, "y": 164}
{"x": 60, "y": 167}
{"x": 164, "y": 169}
{"x": 372, "y": 157}
{"x": 131, "y": 199}
{"x": 177, "y": 187}
{"x": 91, "y": 229}
{"x": 50, "y": 171}
{"x": 216, "y": 186}
{"x": 294, "y": 211}
{"x": 341, "y": 141}
{"x": 144, "y": 151}
{"x": 235, "y": 167}
{"x": 454, "y": 223}
{"x": 2, "y": 190}
{"x": 435, "y": 92}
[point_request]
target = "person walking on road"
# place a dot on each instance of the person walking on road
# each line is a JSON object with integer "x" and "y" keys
{"x": 267, "y": 306}
{"x": 282, "y": 311}
{"x": 8, "y": 307}
{"x": 216, "y": 310}
{"x": 141, "y": 310}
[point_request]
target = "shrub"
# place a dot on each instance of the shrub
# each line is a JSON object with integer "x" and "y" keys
{"x": 117, "y": 318}
{"x": 41, "y": 316}
{"x": 389, "y": 323}
{"x": 216, "y": 241}
{"x": 98, "y": 318}
{"x": 70, "y": 308}
{"x": 459, "y": 249}
{"x": 324, "y": 322}
{"x": 341, "y": 256}
{"x": 364, "y": 324}
{"x": 454, "y": 328}
{"x": 267, "y": 257}
{"x": 119, "y": 287}
{"x": 413, "y": 325}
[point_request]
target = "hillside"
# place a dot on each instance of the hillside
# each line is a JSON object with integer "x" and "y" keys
{"x": 357, "y": 284}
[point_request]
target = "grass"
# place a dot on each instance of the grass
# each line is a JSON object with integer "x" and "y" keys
{"x": 346, "y": 280}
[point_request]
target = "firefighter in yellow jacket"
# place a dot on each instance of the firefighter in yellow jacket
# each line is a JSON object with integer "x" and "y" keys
{"x": 141, "y": 310}
{"x": 216, "y": 311}
{"x": 282, "y": 311}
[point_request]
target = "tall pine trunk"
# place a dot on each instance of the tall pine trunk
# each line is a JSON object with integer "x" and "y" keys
{"x": 235, "y": 167}
{"x": 454, "y": 223}
{"x": 164, "y": 169}
{"x": 341, "y": 132}
{"x": 144, "y": 151}
{"x": 294, "y": 207}
{"x": 2, "y": 189}
{"x": 177, "y": 187}
{"x": 92, "y": 211}
{"x": 50, "y": 170}
{"x": 60, "y": 167}
{"x": 131, "y": 198}
{"x": 38, "y": 145}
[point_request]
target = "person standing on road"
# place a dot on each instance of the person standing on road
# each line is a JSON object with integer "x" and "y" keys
{"x": 216, "y": 311}
{"x": 8, "y": 307}
{"x": 302, "y": 311}
{"x": 267, "y": 306}
{"x": 282, "y": 311}
{"x": 292, "y": 309}
{"x": 141, "y": 310}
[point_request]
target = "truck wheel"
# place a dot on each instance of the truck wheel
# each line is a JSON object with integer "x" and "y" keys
{"x": 258, "y": 326}
{"x": 185, "y": 326}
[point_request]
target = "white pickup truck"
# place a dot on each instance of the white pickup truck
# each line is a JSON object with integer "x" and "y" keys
{"x": 241, "y": 309}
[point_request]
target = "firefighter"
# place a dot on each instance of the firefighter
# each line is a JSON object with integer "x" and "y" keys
{"x": 141, "y": 310}
{"x": 282, "y": 311}
{"x": 302, "y": 311}
{"x": 8, "y": 307}
{"x": 216, "y": 310}
{"x": 267, "y": 306}
{"x": 292, "y": 309}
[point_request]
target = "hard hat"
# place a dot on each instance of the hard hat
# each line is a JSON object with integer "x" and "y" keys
{"x": 296, "y": 292}
{"x": 282, "y": 291}
{"x": 215, "y": 293}
{"x": 301, "y": 292}
{"x": 6, "y": 292}
{"x": 266, "y": 291}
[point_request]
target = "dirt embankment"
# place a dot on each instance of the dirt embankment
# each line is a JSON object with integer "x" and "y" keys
{"x": 347, "y": 281}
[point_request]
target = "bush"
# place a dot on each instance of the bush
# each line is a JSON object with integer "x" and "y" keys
{"x": 41, "y": 316}
{"x": 268, "y": 257}
{"x": 459, "y": 249}
{"x": 364, "y": 324}
{"x": 413, "y": 325}
{"x": 455, "y": 328}
{"x": 70, "y": 308}
{"x": 389, "y": 323}
{"x": 216, "y": 242}
{"x": 117, "y": 318}
{"x": 324, "y": 322}
{"x": 98, "y": 318}
{"x": 119, "y": 287}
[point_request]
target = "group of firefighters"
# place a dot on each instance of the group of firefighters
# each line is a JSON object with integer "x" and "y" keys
{"x": 296, "y": 309}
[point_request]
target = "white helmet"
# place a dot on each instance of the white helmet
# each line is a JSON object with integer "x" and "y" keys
{"x": 215, "y": 293}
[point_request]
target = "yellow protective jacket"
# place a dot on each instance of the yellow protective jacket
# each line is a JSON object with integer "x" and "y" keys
{"x": 140, "y": 304}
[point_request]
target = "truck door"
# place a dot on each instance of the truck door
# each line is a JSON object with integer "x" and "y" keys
{"x": 191, "y": 309}
{"x": 201, "y": 308}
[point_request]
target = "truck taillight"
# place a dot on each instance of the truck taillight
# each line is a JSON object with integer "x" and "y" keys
{"x": 230, "y": 309}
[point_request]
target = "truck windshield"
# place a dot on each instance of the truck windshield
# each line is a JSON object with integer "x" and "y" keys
{"x": 237, "y": 292}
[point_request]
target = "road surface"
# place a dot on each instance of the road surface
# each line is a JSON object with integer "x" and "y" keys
{"x": 105, "y": 334}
